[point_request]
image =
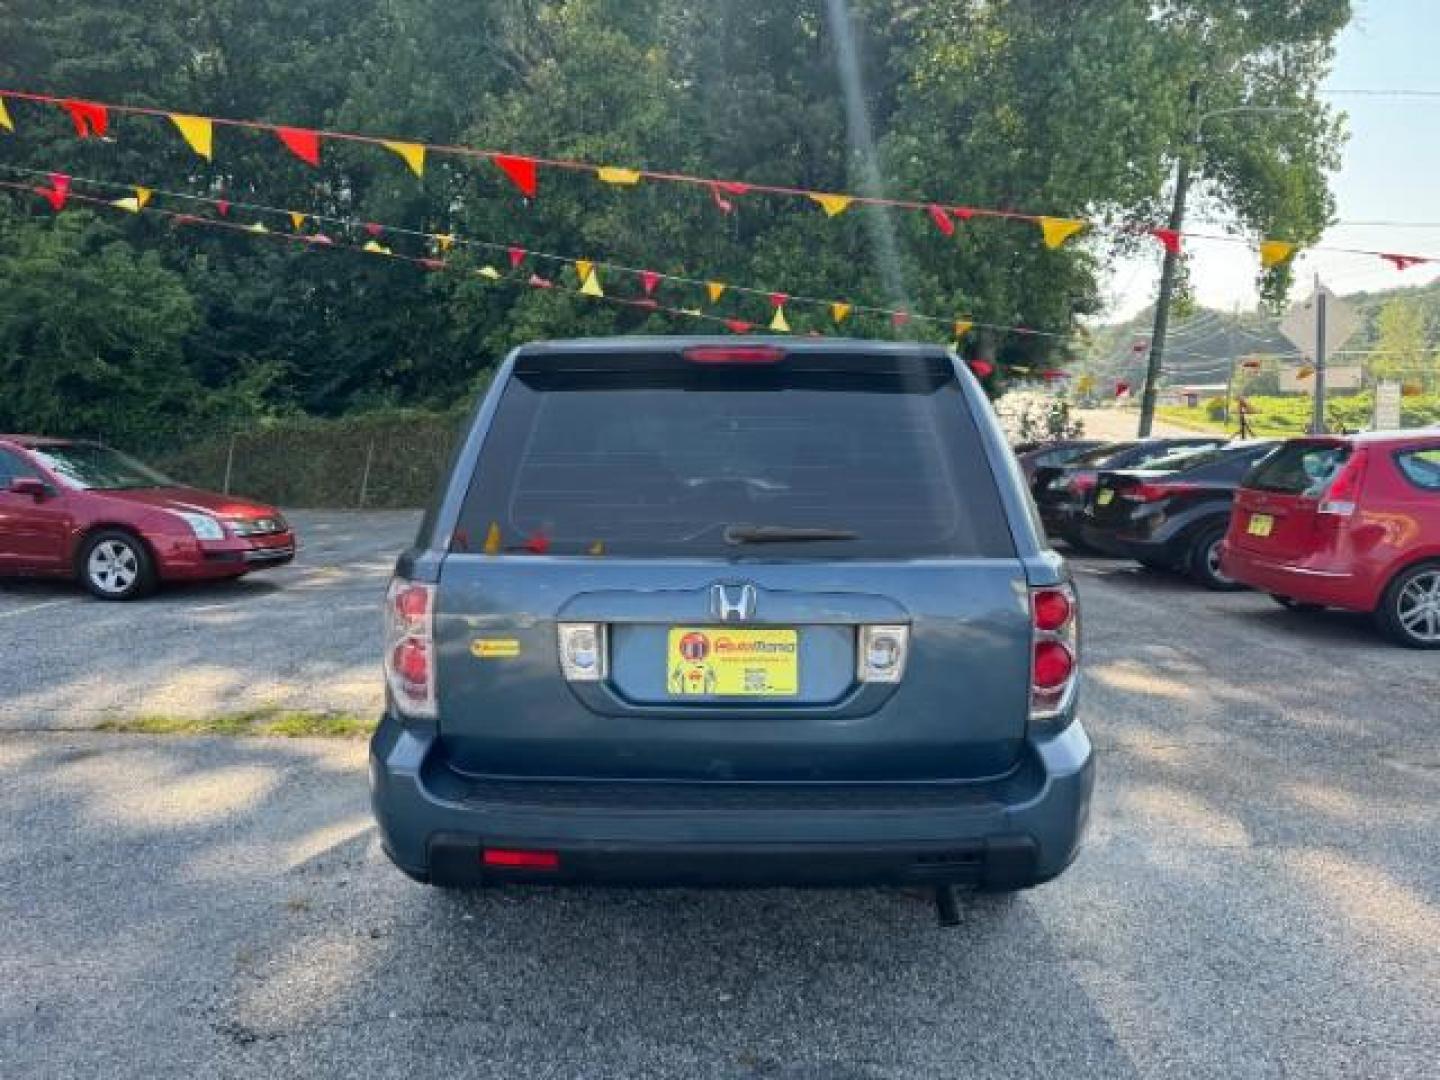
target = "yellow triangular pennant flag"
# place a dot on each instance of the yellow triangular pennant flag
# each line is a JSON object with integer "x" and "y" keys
{"x": 1304, "y": 372}
{"x": 259, "y": 226}
{"x": 376, "y": 248}
{"x": 1275, "y": 252}
{"x": 583, "y": 267}
{"x": 5, "y": 121}
{"x": 778, "y": 322}
{"x": 716, "y": 289}
{"x": 597, "y": 548}
{"x": 1057, "y": 230}
{"x": 444, "y": 241}
{"x": 490, "y": 272}
{"x": 691, "y": 311}
{"x": 839, "y": 311}
{"x": 198, "y": 132}
{"x": 297, "y": 220}
{"x": 132, "y": 204}
{"x": 962, "y": 327}
{"x": 143, "y": 195}
{"x": 492, "y": 539}
{"x": 591, "y": 285}
{"x": 611, "y": 175}
{"x": 413, "y": 153}
{"x": 833, "y": 204}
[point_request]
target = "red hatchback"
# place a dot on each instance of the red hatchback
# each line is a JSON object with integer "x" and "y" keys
{"x": 1350, "y": 522}
{"x": 82, "y": 510}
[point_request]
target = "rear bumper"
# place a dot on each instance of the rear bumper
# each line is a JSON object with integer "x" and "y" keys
{"x": 1009, "y": 833}
{"x": 1305, "y": 584}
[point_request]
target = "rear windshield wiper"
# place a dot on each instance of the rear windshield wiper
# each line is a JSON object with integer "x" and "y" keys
{"x": 783, "y": 534}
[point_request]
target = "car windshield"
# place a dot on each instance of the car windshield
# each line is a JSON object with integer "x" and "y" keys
{"x": 92, "y": 466}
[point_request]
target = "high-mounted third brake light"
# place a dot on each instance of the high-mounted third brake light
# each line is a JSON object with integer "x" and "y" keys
{"x": 734, "y": 354}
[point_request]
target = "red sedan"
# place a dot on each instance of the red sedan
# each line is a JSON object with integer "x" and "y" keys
{"x": 82, "y": 510}
{"x": 1350, "y": 523}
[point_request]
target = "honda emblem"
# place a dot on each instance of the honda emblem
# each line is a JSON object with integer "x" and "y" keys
{"x": 732, "y": 603}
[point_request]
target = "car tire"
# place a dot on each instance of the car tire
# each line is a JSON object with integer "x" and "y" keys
{"x": 1409, "y": 611}
{"x": 116, "y": 565}
{"x": 1203, "y": 561}
{"x": 1290, "y": 604}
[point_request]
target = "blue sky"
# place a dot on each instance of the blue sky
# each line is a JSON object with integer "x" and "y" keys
{"x": 1390, "y": 171}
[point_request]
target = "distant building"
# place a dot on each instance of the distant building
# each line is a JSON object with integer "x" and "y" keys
{"x": 1191, "y": 395}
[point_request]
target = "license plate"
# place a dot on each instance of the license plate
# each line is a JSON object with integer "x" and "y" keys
{"x": 1103, "y": 499}
{"x": 1260, "y": 525}
{"x": 723, "y": 662}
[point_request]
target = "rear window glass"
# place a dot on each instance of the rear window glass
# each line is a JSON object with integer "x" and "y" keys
{"x": 1100, "y": 454}
{"x": 1421, "y": 468}
{"x": 734, "y": 464}
{"x": 1298, "y": 468}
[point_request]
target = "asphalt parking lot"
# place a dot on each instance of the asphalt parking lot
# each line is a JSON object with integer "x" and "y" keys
{"x": 1260, "y": 893}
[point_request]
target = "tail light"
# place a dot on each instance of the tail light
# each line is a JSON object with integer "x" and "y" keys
{"x": 410, "y": 646}
{"x": 1154, "y": 492}
{"x": 881, "y": 652}
{"x": 1054, "y": 651}
{"x": 1343, "y": 494}
{"x": 1081, "y": 482}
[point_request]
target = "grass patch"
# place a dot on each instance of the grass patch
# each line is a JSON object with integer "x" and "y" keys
{"x": 288, "y": 723}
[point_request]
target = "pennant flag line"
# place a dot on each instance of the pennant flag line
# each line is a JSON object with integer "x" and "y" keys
{"x": 302, "y": 142}
{"x": 1057, "y": 230}
{"x": 608, "y": 174}
{"x": 197, "y": 131}
{"x": 1404, "y": 262}
{"x": 833, "y": 205}
{"x": 413, "y": 154}
{"x": 521, "y": 171}
{"x": 89, "y": 118}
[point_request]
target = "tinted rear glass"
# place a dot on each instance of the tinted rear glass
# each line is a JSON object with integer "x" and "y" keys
{"x": 667, "y": 463}
{"x": 1421, "y": 468}
{"x": 1101, "y": 454}
{"x": 1298, "y": 468}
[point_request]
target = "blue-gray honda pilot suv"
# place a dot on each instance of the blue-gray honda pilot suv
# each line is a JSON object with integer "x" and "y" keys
{"x": 732, "y": 612}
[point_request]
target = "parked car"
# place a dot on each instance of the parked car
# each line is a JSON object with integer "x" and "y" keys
{"x": 1351, "y": 523}
{"x": 82, "y": 510}
{"x": 1057, "y": 452}
{"x": 1062, "y": 492}
{"x": 1173, "y": 513}
{"x": 689, "y": 611}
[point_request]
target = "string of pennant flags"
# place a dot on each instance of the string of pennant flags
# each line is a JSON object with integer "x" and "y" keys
{"x": 61, "y": 194}
{"x": 92, "y": 119}
{"x": 59, "y": 188}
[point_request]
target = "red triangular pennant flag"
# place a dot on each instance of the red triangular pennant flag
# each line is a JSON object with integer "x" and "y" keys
{"x": 1404, "y": 262}
{"x": 433, "y": 264}
{"x": 725, "y": 205}
{"x": 733, "y": 187}
{"x": 1122, "y": 388}
{"x": 964, "y": 213}
{"x": 374, "y": 230}
{"x": 57, "y": 192}
{"x": 222, "y": 207}
{"x": 647, "y": 303}
{"x": 541, "y": 283}
{"x": 1169, "y": 239}
{"x": 983, "y": 369}
{"x": 941, "y": 219}
{"x": 778, "y": 298}
{"x": 517, "y": 256}
{"x": 737, "y": 326}
{"x": 648, "y": 280}
{"x": 899, "y": 318}
{"x": 1053, "y": 375}
{"x": 537, "y": 544}
{"x": 520, "y": 170}
{"x": 88, "y": 118}
{"x": 302, "y": 142}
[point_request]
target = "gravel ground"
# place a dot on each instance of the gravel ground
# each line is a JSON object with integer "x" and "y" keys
{"x": 1259, "y": 897}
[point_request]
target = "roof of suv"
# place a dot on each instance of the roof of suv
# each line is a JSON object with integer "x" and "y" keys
{"x": 37, "y": 440}
{"x": 674, "y": 343}
{"x": 1374, "y": 438}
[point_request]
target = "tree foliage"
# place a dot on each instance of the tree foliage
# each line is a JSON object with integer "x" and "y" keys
{"x": 1056, "y": 108}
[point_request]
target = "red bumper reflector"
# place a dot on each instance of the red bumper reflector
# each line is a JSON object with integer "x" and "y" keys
{"x": 520, "y": 860}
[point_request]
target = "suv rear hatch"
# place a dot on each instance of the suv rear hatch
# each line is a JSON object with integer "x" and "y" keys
{"x": 719, "y": 528}
{"x": 1279, "y": 509}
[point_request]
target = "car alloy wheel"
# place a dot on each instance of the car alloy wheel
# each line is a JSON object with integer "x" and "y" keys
{"x": 1417, "y": 607}
{"x": 1205, "y": 561}
{"x": 113, "y": 567}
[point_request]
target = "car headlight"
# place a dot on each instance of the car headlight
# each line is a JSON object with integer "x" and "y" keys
{"x": 203, "y": 526}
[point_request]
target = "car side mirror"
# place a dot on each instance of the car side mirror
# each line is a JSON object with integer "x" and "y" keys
{"x": 36, "y": 488}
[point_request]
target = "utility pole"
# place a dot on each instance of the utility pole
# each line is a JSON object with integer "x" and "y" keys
{"x": 1317, "y": 416}
{"x": 1167, "y": 275}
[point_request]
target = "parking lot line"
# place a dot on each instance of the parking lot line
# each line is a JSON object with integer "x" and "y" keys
{"x": 35, "y": 607}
